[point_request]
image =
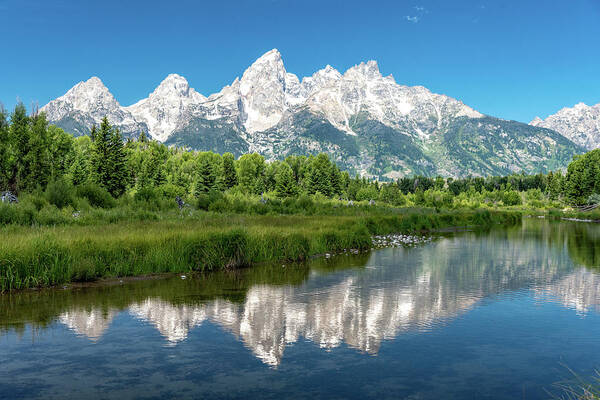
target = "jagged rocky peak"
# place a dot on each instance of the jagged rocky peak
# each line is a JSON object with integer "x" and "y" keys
{"x": 85, "y": 105}
{"x": 175, "y": 85}
{"x": 86, "y": 96}
{"x": 323, "y": 78}
{"x": 580, "y": 123}
{"x": 369, "y": 70}
{"x": 262, "y": 92}
{"x": 165, "y": 108}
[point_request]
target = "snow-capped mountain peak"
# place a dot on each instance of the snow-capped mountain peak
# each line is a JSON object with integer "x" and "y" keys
{"x": 580, "y": 123}
{"x": 86, "y": 104}
{"x": 262, "y": 92}
{"x": 175, "y": 85}
{"x": 165, "y": 108}
{"x": 88, "y": 95}
{"x": 368, "y": 70}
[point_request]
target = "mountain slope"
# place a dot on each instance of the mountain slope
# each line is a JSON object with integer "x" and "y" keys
{"x": 581, "y": 124}
{"x": 367, "y": 122}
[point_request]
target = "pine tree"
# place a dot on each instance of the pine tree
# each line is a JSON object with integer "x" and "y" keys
{"x": 117, "y": 168}
{"x": 285, "y": 184}
{"x": 143, "y": 138}
{"x": 38, "y": 155}
{"x": 205, "y": 175}
{"x": 108, "y": 159}
{"x": 229, "y": 173}
{"x": 79, "y": 170}
{"x": 20, "y": 132}
{"x": 6, "y": 152}
{"x": 336, "y": 180}
{"x": 99, "y": 153}
{"x": 319, "y": 175}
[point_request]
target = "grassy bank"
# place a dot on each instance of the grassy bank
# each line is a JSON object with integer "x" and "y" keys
{"x": 47, "y": 256}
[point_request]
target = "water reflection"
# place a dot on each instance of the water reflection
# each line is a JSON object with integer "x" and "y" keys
{"x": 357, "y": 301}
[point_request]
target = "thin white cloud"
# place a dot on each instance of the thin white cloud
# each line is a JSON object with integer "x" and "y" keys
{"x": 412, "y": 18}
{"x": 420, "y": 9}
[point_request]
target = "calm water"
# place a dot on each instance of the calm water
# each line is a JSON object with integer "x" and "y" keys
{"x": 500, "y": 314}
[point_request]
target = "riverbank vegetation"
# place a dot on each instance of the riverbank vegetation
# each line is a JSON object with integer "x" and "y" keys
{"x": 49, "y": 256}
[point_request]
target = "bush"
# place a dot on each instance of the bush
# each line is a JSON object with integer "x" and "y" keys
{"x": 204, "y": 200}
{"x": 51, "y": 215}
{"x": 220, "y": 205}
{"x": 96, "y": 195}
{"x": 305, "y": 203}
{"x": 368, "y": 193}
{"x": 511, "y": 198}
{"x": 147, "y": 194}
{"x": 438, "y": 199}
{"x": 60, "y": 193}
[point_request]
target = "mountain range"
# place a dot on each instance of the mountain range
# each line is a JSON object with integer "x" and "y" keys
{"x": 366, "y": 122}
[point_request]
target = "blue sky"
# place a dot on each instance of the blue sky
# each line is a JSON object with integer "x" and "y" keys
{"x": 511, "y": 59}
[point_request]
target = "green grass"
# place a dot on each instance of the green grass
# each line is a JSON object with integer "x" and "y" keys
{"x": 47, "y": 256}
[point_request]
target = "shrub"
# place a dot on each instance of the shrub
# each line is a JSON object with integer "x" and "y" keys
{"x": 368, "y": 193}
{"x": 96, "y": 195}
{"x": 511, "y": 198}
{"x": 60, "y": 193}
{"x": 204, "y": 200}
{"x": 305, "y": 203}
{"x": 147, "y": 194}
{"x": 220, "y": 205}
{"x": 438, "y": 199}
{"x": 51, "y": 215}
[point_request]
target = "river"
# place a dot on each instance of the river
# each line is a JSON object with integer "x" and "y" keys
{"x": 501, "y": 314}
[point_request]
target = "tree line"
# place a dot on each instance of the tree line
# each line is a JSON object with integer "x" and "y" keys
{"x": 34, "y": 154}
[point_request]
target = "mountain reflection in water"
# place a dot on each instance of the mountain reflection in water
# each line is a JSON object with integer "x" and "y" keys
{"x": 359, "y": 301}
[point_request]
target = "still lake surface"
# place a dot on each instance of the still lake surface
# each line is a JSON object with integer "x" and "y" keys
{"x": 498, "y": 314}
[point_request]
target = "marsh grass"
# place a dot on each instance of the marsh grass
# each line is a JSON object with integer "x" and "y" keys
{"x": 53, "y": 255}
{"x": 578, "y": 388}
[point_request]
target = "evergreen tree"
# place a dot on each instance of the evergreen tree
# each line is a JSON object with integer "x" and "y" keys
{"x": 319, "y": 175}
{"x": 250, "y": 173}
{"x": 19, "y": 135}
{"x": 285, "y": 184}
{"x": 143, "y": 138}
{"x": 79, "y": 170}
{"x": 6, "y": 152}
{"x": 336, "y": 180}
{"x": 108, "y": 162}
{"x": 117, "y": 171}
{"x": 229, "y": 173}
{"x": 99, "y": 153}
{"x": 205, "y": 175}
{"x": 37, "y": 157}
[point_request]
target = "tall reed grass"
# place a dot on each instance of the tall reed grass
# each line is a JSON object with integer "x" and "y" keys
{"x": 47, "y": 256}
